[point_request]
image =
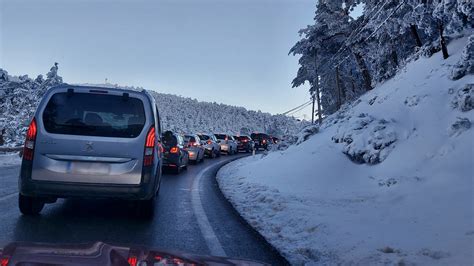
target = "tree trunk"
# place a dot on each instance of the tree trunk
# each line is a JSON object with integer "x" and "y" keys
{"x": 444, "y": 47}
{"x": 364, "y": 70}
{"x": 339, "y": 91}
{"x": 394, "y": 56}
{"x": 318, "y": 99}
{"x": 416, "y": 36}
{"x": 353, "y": 84}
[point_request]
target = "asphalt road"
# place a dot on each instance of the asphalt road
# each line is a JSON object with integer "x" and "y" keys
{"x": 191, "y": 216}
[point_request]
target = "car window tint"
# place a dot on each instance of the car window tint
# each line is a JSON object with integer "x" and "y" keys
{"x": 94, "y": 115}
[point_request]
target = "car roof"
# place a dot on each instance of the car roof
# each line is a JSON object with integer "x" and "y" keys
{"x": 88, "y": 88}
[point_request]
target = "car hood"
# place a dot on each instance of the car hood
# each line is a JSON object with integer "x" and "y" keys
{"x": 100, "y": 253}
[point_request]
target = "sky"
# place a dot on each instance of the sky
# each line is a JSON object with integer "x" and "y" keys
{"x": 226, "y": 51}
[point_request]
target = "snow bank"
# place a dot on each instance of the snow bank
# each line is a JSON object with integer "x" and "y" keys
{"x": 407, "y": 199}
{"x": 9, "y": 159}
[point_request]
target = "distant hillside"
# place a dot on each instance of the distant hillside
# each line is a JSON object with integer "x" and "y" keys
{"x": 19, "y": 97}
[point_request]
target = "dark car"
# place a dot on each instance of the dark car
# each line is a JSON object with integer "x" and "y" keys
{"x": 175, "y": 157}
{"x": 262, "y": 140}
{"x": 275, "y": 140}
{"x": 244, "y": 143}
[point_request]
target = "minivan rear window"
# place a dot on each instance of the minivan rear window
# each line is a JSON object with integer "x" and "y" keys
{"x": 94, "y": 115}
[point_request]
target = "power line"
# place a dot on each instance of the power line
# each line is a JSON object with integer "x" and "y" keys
{"x": 300, "y": 109}
{"x": 299, "y": 106}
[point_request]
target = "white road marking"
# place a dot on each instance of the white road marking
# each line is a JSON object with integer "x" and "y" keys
{"x": 8, "y": 196}
{"x": 207, "y": 232}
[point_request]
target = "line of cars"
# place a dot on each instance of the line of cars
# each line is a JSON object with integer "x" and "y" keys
{"x": 180, "y": 150}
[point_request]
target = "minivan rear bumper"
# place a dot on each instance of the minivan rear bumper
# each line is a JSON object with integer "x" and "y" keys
{"x": 49, "y": 189}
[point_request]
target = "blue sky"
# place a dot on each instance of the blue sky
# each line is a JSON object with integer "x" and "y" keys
{"x": 228, "y": 51}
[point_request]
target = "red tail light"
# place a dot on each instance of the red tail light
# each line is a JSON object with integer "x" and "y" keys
{"x": 29, "y": 147}
{"x": 132, "y": 261}
{"x": 264, "y": 141}
{"x": 209, "y": 142}
{"x": 149, "y": 147}
{"x": 245, "y": 140}
{"x": 193, "y": 143}
{"x": 174, "y": 150}
{"x": 4, "y": 261}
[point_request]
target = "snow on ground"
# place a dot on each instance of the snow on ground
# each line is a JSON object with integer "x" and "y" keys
{"x": 387, "y": 180}
{"x": 9, "y": 159}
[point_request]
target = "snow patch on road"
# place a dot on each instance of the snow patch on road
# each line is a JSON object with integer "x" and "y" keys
{"x": 407, "y": 200}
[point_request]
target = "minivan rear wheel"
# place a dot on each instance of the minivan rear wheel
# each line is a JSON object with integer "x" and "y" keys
{"x": 146, "y": 208}
{"x": 30, "y": 205}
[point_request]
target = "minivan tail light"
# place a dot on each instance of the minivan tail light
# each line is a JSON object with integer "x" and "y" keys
{"x": 30, "y": 140}
{"x": 149, "y": 147}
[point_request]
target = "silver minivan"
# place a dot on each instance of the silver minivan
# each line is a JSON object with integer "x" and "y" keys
{"x": 92, "y": 142}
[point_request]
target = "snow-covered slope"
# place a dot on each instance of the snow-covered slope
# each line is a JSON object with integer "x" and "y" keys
{"x": 387, "y": 180}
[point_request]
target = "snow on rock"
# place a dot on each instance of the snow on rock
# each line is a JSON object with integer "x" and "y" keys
{"x": 307, "y": 132}
{"x": 415, "y": 206}
{"x": 466, "y": 63}
{"x": 367, "y": 140}
{"x": 459, "y": 126}
{"x": 464, "y": 99}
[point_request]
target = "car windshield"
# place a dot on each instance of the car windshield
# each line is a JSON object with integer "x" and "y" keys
{"x": 85, "y": 114}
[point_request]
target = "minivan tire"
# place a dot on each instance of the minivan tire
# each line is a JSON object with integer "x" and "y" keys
{"x": 30, "y": 205}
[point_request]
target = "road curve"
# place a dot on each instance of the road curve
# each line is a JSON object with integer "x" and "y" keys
{"x": 192, "y": 216}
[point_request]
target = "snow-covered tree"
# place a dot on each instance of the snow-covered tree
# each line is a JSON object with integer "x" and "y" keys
{"x": 349, "y": 56}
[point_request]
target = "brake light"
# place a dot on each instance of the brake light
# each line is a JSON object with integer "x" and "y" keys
{"x": 29, "y": 147}
{"x": 209, "y": 142}
{"x": 132, "y": 261}
{"x": 4, "y": 261}
{"x": 192, "y": 143}
{"x": 149, "y": 147}
{"x": 174, "y": 150}
{"x": 245, "y": 140}
{"x": 264, "y": 141}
